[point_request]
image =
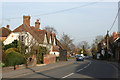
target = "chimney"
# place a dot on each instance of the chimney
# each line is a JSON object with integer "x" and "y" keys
{"x": 37, "y": 24}
{"x": 8, "y": 26}
{"x": 26, "y": 20}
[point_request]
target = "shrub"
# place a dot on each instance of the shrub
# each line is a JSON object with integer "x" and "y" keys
{"x": 11, "y": 50}
{"x": 42, "y": 52}
{"x": 13, "y": 58}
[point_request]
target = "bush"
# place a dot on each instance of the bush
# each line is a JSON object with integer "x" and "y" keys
{"x": 13, "y": 58}
{"x": 11, "y": 50}
{"x": 42, "y": 52}
{"x": 2, "y": 64}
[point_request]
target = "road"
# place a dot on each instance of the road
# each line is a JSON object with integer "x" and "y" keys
{"x": 86, "y": 69}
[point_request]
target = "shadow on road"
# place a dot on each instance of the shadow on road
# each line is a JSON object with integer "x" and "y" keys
{"x": 52, "y": 78}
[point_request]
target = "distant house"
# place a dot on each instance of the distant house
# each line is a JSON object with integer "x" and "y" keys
{"x": 4, "y": 32}
{"x": 110, "y": 48}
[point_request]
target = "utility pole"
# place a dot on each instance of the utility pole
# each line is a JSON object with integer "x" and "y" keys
{"x": 107, "y": 40}
{"x": 118, "y": 17}
{"x": 107, "y": 43}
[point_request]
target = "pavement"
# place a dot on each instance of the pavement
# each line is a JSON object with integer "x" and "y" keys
{"x": 88, "y": 69}
{"x": 25, "y": 71}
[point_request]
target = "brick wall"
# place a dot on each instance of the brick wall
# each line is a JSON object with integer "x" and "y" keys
{"x": 49, "y": 59}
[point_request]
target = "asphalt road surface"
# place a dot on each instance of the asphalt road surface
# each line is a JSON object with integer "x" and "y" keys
{"x": 79, "y": 69}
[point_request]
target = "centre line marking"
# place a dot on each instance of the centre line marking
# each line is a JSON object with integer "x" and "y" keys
{"x": 83, "y": 67}
{"x": 68, "y": 75}
{"x": 77, "y": 71}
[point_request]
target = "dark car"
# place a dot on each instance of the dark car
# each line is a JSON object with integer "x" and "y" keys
{"x": 79, "y": 58}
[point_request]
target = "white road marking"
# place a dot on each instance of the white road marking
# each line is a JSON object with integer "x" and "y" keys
{"x": 83, "y": 67}
{"x": 68, "y": 75}
{"x": 77, "y": 71}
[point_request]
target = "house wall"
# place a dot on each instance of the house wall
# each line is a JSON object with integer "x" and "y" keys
{"x": 45, "y": 40}
{"x": 55, "y": 53}
{"x": 54, "y": 42}
{"x": 63, "y": 55}
{"x": 11, "y": 38}
{"x": 29, "y": 39}
{"x": 50, "y": 42}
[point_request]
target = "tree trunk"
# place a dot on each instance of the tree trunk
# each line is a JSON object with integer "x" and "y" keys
{"x": 26, "y": 64}
{"x": 14, "y": 67}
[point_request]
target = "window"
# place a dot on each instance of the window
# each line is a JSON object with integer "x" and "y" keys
{"x": 22, "y": 38}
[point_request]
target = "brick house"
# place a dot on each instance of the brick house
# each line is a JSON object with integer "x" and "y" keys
{"x": 4, "y": 32}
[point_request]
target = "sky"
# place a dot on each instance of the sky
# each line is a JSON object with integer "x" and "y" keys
{"x": 81, "y": 24}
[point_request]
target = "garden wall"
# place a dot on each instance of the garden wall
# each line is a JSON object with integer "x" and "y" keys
{"x": 48, "y": 59}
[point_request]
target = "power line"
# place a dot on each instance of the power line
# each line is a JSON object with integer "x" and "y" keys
{"x": 55, "y": 12}
{"x": 114, "y": 20}
{"x": 64, "y": 10}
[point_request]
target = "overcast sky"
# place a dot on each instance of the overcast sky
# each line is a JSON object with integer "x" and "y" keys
{"x": 82, "y": 24}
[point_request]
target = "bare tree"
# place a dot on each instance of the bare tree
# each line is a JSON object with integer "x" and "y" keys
{"x": 67, "y": 42}
{"x": 83, "y": 44}
{"x": 98, "y": 39}
{"x": 50, "y": 29}
{"x": 83, "y": 47}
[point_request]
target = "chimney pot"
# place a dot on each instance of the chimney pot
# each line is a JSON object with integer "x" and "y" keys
{"x": 37, "y": 20}
{"x": 37, "y": 24}
{"x": 8, "y": 26}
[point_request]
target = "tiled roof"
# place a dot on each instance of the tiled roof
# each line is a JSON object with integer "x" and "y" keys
{"x": 36, "y": 33}
{"x": 48, "y": 36}
{"x": 55, "y": 48}
{"x": 4, "y": 32}
{"x": 41, "y": 35}
{"x": 21, "y": 28}
{"x": 116, "y": 35}
{"x": 53, "y": 37}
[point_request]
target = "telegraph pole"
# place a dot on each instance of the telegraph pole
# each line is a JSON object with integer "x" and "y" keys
{"x": 118, "y": 17}
{"x": 107, "y": 43}
{"x": 107, "y": 40}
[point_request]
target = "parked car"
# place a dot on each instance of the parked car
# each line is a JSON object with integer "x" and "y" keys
{"x": 79, "y": 58}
